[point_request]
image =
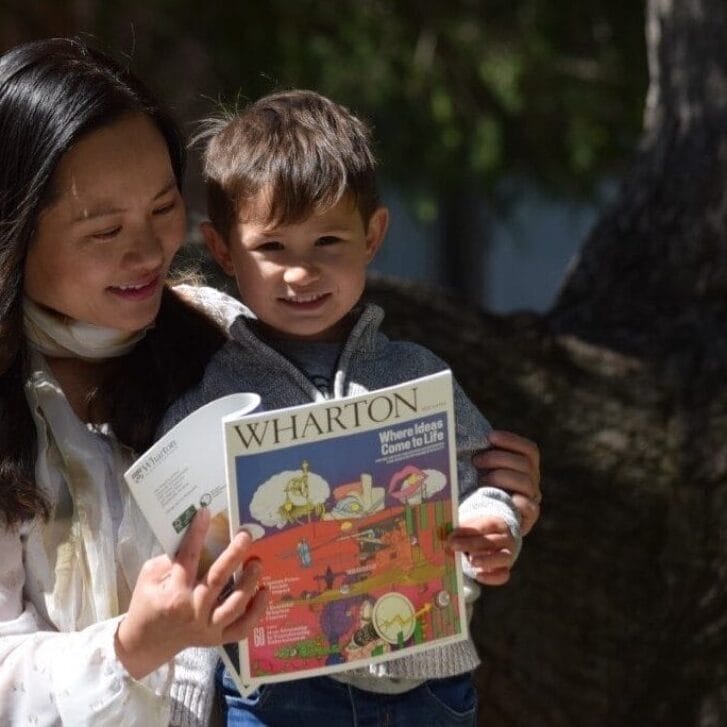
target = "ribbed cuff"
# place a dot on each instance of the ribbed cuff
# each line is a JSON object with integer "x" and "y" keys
{"x": 497, "y": 503}
{"x": 193, "y": 688}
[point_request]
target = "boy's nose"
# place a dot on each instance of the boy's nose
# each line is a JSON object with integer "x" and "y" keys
{"x": 300, "y": 274}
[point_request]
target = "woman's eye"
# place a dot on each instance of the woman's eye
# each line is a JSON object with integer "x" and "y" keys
{"x": 107, "y": 234}
{"x": 164, "y": 209}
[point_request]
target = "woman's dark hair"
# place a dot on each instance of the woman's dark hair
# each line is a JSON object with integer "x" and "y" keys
{"x": 52, "y": 94}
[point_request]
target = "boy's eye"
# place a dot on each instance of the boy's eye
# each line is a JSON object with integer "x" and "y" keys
{"x": 269, "y": 246}
{"x": 328, "y": 240}
{"x": 107, "y": 234}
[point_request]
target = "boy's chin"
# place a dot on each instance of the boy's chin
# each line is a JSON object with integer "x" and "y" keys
{"x": 311, "y": 332}
{"x": 330, "y": 334}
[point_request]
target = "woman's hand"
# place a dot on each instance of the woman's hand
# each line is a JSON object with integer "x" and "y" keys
{"x": 512, "y": 463}
{"x": 171, "y": 609}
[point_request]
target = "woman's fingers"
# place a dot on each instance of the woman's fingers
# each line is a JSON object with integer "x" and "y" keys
{"x": 172, "y": 609}
{"x": 235, "y": 603}
{"x": 490, "y": 459}
{"x": 232, "y": 614}
{"x": 190, "y": 550}
{"x": 241, "y": 627}
{"x": 529, "y": 512}
{"x": 225, "y": 565}
{"x": 512, "y": 463}
{"x": 510, "y": 480}
{"x": 510, "y": 450}
{"x": 502, "y": 439}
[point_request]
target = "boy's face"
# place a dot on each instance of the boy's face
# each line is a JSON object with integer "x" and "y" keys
{"x": 301, "y": 280}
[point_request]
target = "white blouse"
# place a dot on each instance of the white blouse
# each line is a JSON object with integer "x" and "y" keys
{"x": 65, "y": 583}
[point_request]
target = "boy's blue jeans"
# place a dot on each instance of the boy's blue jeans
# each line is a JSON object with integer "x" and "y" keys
{"x": 324, "y": 702}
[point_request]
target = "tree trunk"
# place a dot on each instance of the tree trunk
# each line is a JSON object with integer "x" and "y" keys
{"x": 617, "y": 611}
{"x": 465, "y": 230}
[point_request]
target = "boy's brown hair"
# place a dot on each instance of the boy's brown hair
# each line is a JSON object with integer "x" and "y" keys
{"x": 305, "y": 149}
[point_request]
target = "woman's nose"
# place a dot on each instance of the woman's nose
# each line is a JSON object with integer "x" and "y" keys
{"x": 145, "y": 249}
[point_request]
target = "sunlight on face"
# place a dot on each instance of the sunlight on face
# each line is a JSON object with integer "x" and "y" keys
{"x": 104, "y": 245}
{"x": 301, "y": 280}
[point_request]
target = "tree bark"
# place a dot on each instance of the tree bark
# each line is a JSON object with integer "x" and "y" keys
{"x": 617, "y": 610}
{"x": 465, "y": 231}
{"x": 655, "y": 268}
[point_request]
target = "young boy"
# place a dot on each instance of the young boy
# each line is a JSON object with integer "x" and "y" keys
{"x": 295, "y": 217}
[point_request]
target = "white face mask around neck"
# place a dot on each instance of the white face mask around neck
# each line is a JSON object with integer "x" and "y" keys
{"x": 61, "y": 337}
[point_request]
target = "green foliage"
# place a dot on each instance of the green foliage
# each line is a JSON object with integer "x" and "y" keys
{"x": 459, "y": 93}
{"x": 456, "y": 91}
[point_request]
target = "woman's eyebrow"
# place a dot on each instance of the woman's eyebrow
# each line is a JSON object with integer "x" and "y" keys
{"x": 104, "y": 208}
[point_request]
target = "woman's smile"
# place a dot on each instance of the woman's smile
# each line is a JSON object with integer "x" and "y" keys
{"x": 138, "y": 291}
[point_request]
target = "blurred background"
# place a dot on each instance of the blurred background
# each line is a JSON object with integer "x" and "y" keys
{"x": 501, "y": 125}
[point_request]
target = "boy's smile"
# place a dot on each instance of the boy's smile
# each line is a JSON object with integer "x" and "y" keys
{"x": 302, "y": 279}
{"x": 307, "y": 302}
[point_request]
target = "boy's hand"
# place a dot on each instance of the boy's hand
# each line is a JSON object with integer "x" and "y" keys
{"x": 512, "y": 463}
{"x": 488, "y": 546}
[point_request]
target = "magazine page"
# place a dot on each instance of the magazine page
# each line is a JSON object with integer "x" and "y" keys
{"x": 183, "y": 471}
{"x": 350, "y": 502}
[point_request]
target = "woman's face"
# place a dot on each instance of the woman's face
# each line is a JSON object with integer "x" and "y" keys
{"x": 104, "y": 244}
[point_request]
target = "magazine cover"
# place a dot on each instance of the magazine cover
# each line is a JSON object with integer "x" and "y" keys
{"x": 350, "y": 502}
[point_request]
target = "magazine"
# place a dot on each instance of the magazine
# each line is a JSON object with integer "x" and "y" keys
{"x": 349, "y": 502}
{"x": 180, "y": 473}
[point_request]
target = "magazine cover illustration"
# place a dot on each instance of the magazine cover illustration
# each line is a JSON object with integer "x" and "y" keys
{"x": 350, "y": 524}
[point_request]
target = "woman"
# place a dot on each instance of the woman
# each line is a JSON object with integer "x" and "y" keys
{"x": 91, "y": 216}
{"x": 94, "y": 627}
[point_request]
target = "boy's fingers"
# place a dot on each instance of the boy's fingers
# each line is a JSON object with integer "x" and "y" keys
{"x": 492, "y": 560}
{"x": 190, "y": 549}
{"x": 489, "y": 525}
{"x": 497, "y": 577}
{"x": 493, "y": 544}
{"x": 481, "y": 543}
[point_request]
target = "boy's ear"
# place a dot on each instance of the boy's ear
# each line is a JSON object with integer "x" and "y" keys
{"x": 376, "y": 231}
{"x": 217, "y": 247}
